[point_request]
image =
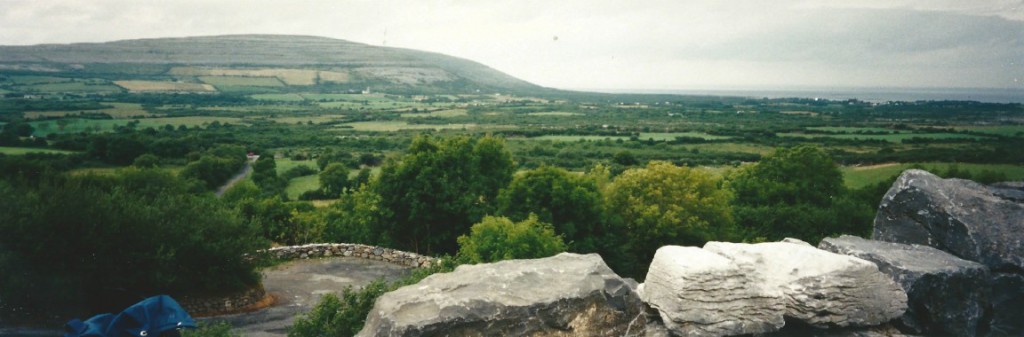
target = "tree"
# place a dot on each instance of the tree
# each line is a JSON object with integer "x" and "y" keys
{"x": 663, "y": 204}
{"x": 334, "y": 180}
{"x": 439, "y": 188}
{"x": 797, "y": 192}
{"x": 570, "y": 202}
{"x": 146, "y": 160}
{"x": 498, "y": 238}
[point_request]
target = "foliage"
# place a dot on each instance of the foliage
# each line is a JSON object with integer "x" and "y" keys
{"x": 798, "y": 192}
{"x": 439, "y": 188}
{"x": 346, "y": 315}
{"x": 147, "y": 160}
{"x": 498, "y": 238}
{"x": 334, "y": 180}
{"x": 101, "y": 242}
{"x": 571, "y": 202}
{"x": 663, "y": 204}
{"x": 353, "y": 218}
{"x": 216, "y": 166}
{"x": 221, "y": 329}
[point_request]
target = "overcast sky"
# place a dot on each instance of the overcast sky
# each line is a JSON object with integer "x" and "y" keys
{"x": 596, "y": 44}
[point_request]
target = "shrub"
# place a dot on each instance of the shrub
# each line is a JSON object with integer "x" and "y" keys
{"x": 498, "y": 238}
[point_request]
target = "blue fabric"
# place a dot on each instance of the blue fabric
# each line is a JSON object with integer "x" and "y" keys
{"x": 149, "y": 318}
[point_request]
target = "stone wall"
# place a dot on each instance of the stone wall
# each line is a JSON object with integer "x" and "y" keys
{"x": 222, "y": 305}
{"x": 252, "y": 299}
{"x": 316, "y": 250}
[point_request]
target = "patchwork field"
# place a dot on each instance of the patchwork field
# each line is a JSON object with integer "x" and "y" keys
{"x": 439, "y": 113}
{"x": 857, "y": 177}
{"x": 656, "y": 136}
{"x": 75, "y": 125}
{"x": 117, "y": 111}
{"x": 163, "y": 86}
{"x": 241, "y": 81}
{"x": 391, "y": 126}
{"x": 895, "y": 138}
{"x": 16, "y": 151}
{"x": 75, "y": 87}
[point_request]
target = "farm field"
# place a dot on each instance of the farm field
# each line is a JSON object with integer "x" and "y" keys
{"x": 77, "y": 125}
{"x": 439, "y": 113}
{"x": 75, "y": 87}
{"x": 656, "y": 136}
{"x": 845, "y": 129}
{"x": 164, "y": 86}
{"x": 285, "y": 164}
{"x": 1000, "y": 130}
{"x": 239, "y": 81}
{"x": 297, "y": 186}
{"x": 117, "y": 111}
{"x": 17, "y": 151}
{"x": 857, "y": 177}
{"x": 895, "y": 138}
{"x": 315, "y": 119}
{"x": 392, "y": 126}
{"x": 556, "y": 113}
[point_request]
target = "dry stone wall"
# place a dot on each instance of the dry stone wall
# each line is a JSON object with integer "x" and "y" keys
{"x": 317, "y": 250}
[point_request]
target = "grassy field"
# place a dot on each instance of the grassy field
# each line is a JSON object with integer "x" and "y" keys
{"x": 30, "y": 80}
{"x": 895, "y": 138}
{"x": 845, "y": 129}
{"x": 301, "y": 185}
{"x": 117, "y": 111}
{"x": 391, "y": 126}
{"x": 78, "y": 87}
{"x": 285, "y": 164}
{"x": 279, "y": 97}
{"x": 439, "y": 113}
{"x": 555, "y": 113}
{"x": 656, "y": 136}
{"x": 306, "y": 119}
{"x": 16, "y": 151}
{"x": 857, "y": 177}
{"x": 239, "y": 81}
{"x": 164, "y": 86}
{"x": 106, "y": 125}
{"x": 1001, "y": 130}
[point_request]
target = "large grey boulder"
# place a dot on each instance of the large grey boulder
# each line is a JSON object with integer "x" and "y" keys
{"x": 948, "y": 296}
{"x": 563, "y": 295}
{"x": 1007, "y": 305}
{"x": 969, "y": 220}
{"x": 700, "y": 293}
{"x": 820, "y": 288}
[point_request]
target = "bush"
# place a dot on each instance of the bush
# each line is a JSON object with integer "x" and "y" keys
{"x": 221, "y": 329}
{"x": 98, "y": 243}
{"x": 498, "y": 238}
{"x": 346, "y": 315}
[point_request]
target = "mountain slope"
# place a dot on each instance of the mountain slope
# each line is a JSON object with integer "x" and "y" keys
{"x": 369, "y": 63}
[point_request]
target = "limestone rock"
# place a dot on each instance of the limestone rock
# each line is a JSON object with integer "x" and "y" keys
{"x": 699, "y": 293}
{"x": 563, "y": 295}
{"x": 969, "y": 220}
{"x": 819, "y": 288}
{"x": 1007, "y": 305}
{"x": 947, "y": 295}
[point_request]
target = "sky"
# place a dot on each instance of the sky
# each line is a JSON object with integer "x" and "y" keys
{"x": 605, "y": 45}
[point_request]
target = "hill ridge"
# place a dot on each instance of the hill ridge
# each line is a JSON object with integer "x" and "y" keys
{"x": 253, "y": 50}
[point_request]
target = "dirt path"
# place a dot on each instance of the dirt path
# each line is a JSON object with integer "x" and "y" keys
{"x": 298, "y": 286}
{"x": 246, "y": 171}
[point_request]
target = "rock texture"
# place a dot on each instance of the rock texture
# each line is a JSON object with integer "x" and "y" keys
{"x": 969, "y": 220}
{"x": 564, "y": 295}
{"x": 1007, "y": 305}
{"x": 947, "y": 295}
{"x": 819, "y": 288}
{"x": 700, "y": 293}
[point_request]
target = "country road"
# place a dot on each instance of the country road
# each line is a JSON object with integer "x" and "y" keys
{"x": 246, "y": 171}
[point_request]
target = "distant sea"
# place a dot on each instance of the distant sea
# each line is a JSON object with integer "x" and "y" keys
{"x": 877, "y": 95}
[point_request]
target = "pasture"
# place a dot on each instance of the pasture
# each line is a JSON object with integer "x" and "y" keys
{"x": 894, "y": 138}
{"x": 76, "y": 125}
{"x": 17, "y": 151}
{"x": 392, "y": 126}
{"x": 164, "y": 86}
{"x": 438, "y": 113}
{"x": 656, "y": 136}
{"x": 241, "y": 81}
{"x": 116, "y": 110}
{"x": 860, "y": 176}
